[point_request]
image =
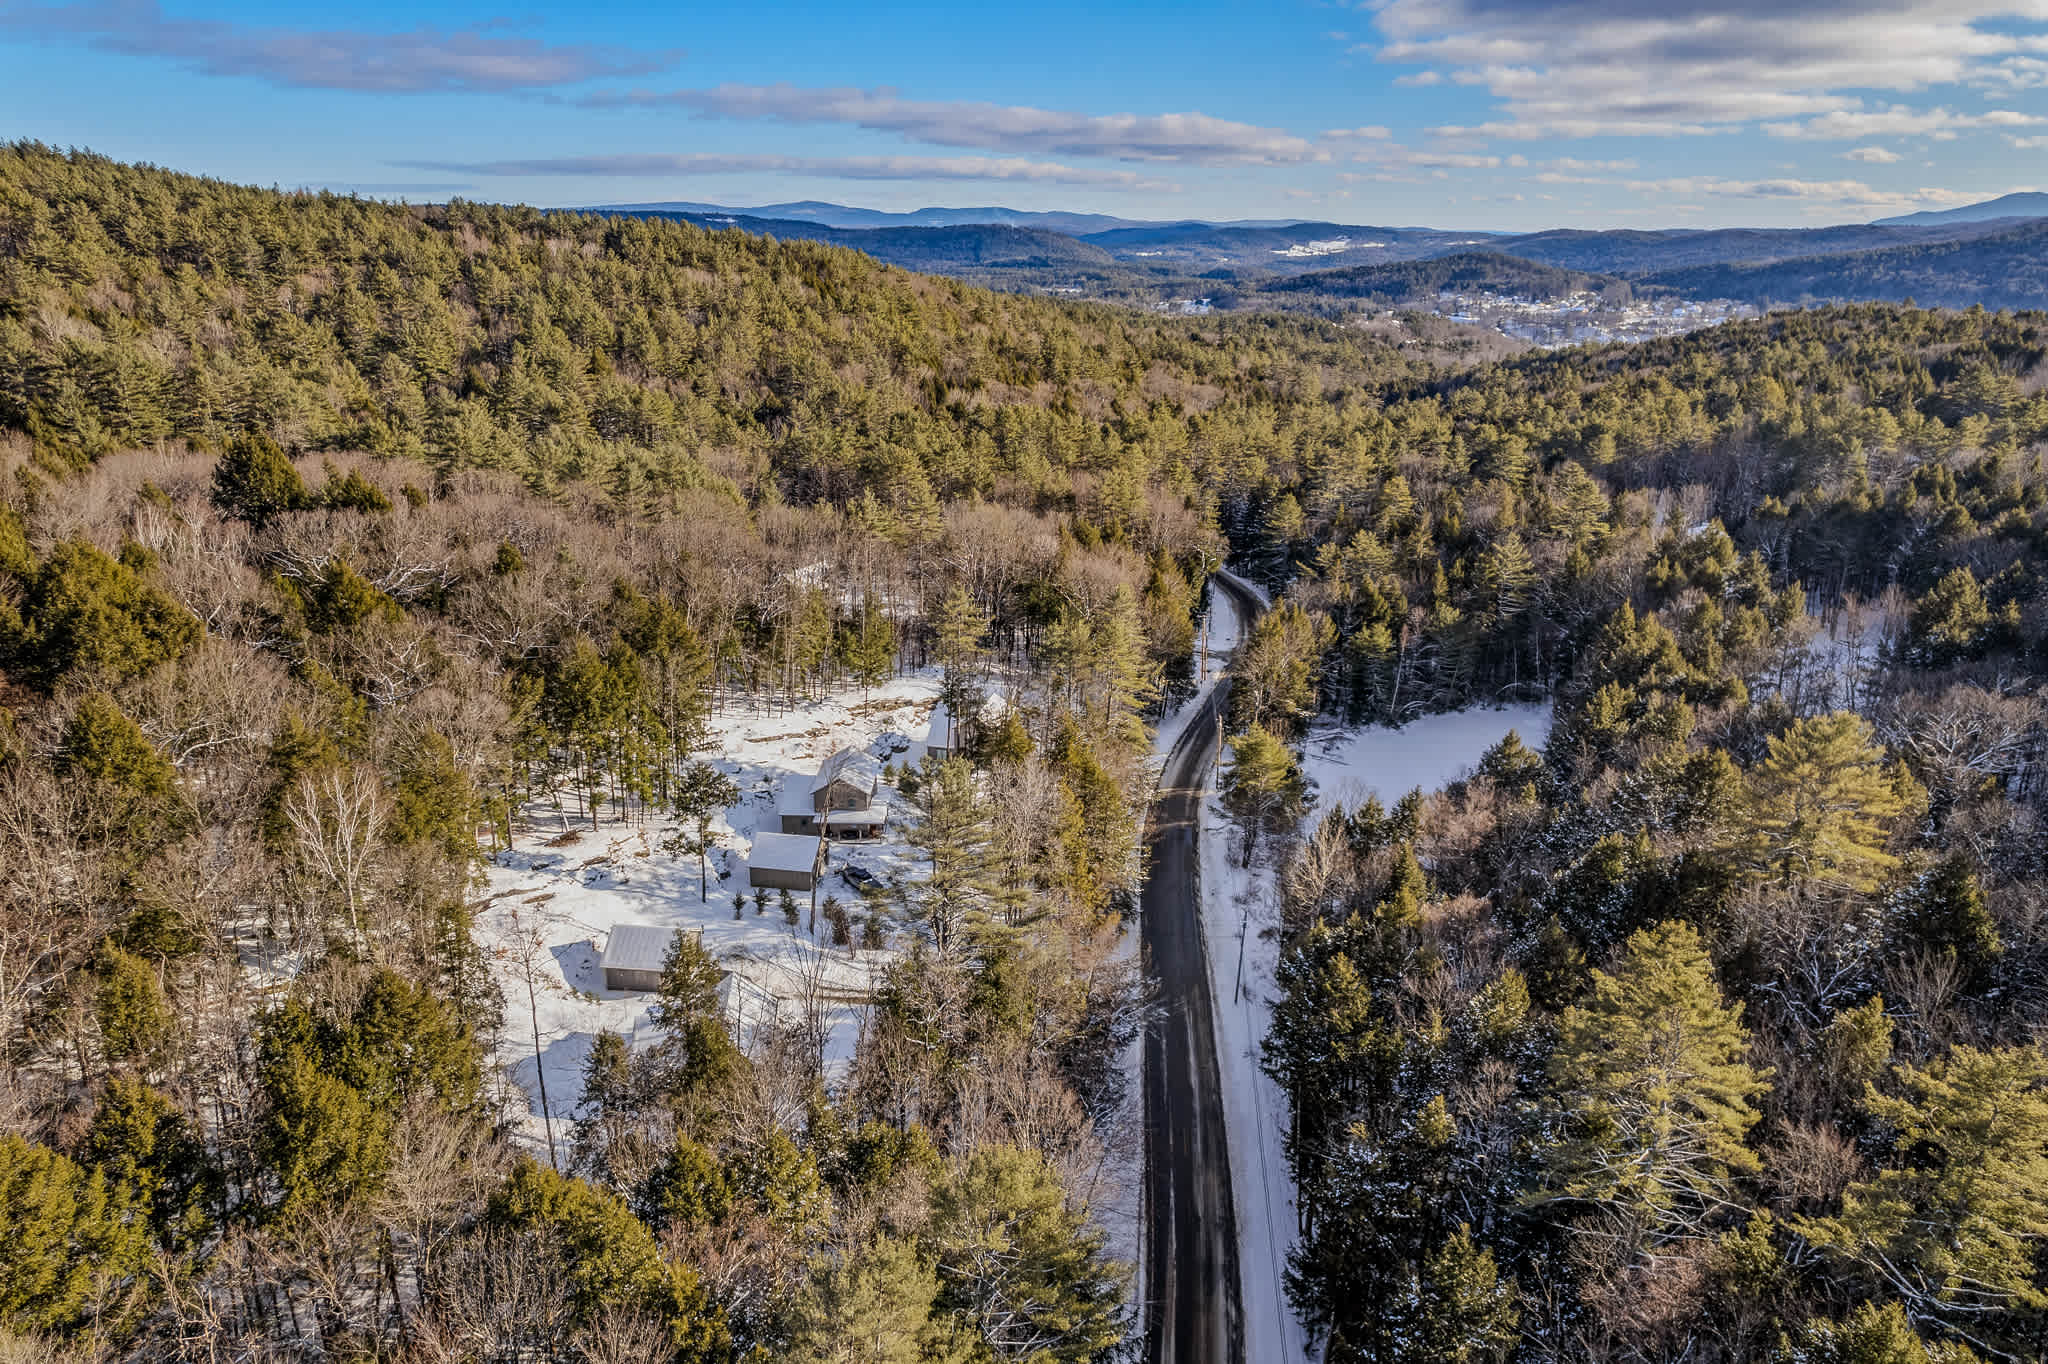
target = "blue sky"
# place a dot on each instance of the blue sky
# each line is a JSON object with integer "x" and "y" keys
{"x": 1457, "y": 113}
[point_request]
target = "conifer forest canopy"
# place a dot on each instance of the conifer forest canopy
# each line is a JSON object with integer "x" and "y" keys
{"x": 337, "y": 538}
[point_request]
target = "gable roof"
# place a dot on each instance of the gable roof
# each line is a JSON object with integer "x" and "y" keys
{"x": 637, "y": 947}
{"x": 785, "y": 852}
{"x": 849, "y": 765}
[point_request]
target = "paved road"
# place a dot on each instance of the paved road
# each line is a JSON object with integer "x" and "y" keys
{"x": 1195, "y": 1314}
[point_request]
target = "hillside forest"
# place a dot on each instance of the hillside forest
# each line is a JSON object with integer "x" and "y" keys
{"x": 335, "y": 535}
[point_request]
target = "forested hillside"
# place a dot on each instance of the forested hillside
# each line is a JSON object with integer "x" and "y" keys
{"x": 336, "y": 538}
{"x": 2009, "y": 266}
{"x": 1467, "y": 271}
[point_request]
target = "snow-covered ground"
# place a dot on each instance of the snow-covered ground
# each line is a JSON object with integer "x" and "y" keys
{"x": 1347, "y": 765}
{"x": 553, "y": 898}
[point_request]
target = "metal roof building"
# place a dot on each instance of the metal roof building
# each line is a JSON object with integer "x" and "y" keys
{"x": 634, "y": 956}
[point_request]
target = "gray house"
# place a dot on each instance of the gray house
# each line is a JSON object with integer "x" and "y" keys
{"x": 843, "y": 801}
{"x": 786, "y": 861}
{"x": 634, "y": 956}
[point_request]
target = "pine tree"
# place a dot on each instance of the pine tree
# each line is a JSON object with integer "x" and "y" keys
{"x": 144, "y": 1145}
{"x": 254, "y": 482}
{"x": 1264, "y": 788}
{"x": 1870, "y": 1334}
{"x": 129, "y": 1005}
{"x": 872, "y": 1305}
{"x": 1819, "y": 802}
{"x": 609, "y": 1257}
{"x": 1654, "y": 1090}
{"x": 1945, "y": 912}
{"x": 103, "y": 746}
{"x": 962, "y": 892}
{"x": 870, "y": 650}
{"x": 1954, "y": 1228}
{"x": 1024, "y": 1269}
{"x": 67, "y": 1238}
{"x": 690, "y": 977}
{"x": 1468, "y": 1313}
{"x": 701, "y": 792}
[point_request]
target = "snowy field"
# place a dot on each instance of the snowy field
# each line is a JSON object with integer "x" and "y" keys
{"x": 554, "y": 897}
{"x": 1426, "y": 754}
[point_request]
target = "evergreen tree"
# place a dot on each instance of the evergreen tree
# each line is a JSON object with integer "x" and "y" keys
{"x": 129, "y": 1005}
{"x": 1954, "y": 1226}
{"x": 1468, "y": 1312}
{"x": 1264, "y": 788}
{"x": 1026, "y": 1271}
{"x": 87, "y": 614}
{"x": 1820, "y": 801}
{"x": 1655, "y": 1093}
{"x": 869, "y": 1306}
{"x": 609, "y": 1258}
{"x": 1870, "y": 1334}
{"x": 1945, "y": 912}
{"x": 68, "y": 1240}
{"x": 870, "y": 647}
{"x": 144, "y": 1145}
{"x": 701, "y": 792}
{"x": 254, "y": 482}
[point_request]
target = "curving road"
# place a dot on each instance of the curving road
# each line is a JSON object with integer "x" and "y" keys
{"x": 1195, "y": 1313}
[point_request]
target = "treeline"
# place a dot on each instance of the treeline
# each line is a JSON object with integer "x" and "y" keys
{"x": 1469, "y": 537}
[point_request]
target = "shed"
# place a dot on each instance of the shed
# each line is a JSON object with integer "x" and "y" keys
{"x": 848, "y": 780}
{"x": 634, "y": 956}
{"x": 786, "y": 861}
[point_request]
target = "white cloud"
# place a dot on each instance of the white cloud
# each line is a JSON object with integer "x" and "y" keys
{"x": 1192, "y": 138}
{"x": 1585, "y": 68}
{"x": 634, "y": 165}
{"x": 1897, "y": 120}
{"x": 1876, "y": 156}
{"x": 1824, "y": 195}
{"x": 420, "y": 60}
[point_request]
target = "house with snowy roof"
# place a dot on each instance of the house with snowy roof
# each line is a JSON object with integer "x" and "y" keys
{"x": 844, "y": 800}
{"x": 786, "y": 861}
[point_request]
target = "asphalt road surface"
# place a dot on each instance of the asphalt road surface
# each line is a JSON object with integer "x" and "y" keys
{"x": 1194, "y": 1312}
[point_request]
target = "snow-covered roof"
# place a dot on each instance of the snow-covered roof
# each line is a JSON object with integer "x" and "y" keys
{"x": 849, "y": 765}
{"x": 992, "y": 707}
{"x": 637, "y": 947}
{"x": 784, "y": 852}
{"x": 876, "y": 812}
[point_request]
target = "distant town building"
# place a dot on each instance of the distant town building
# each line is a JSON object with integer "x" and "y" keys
{"x": 786, "y": 861}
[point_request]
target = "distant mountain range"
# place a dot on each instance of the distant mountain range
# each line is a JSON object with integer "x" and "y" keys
{"x": 2026, "y": 205}
{"x": 1985, "y": 253}
{"x": 840, "y": 215}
